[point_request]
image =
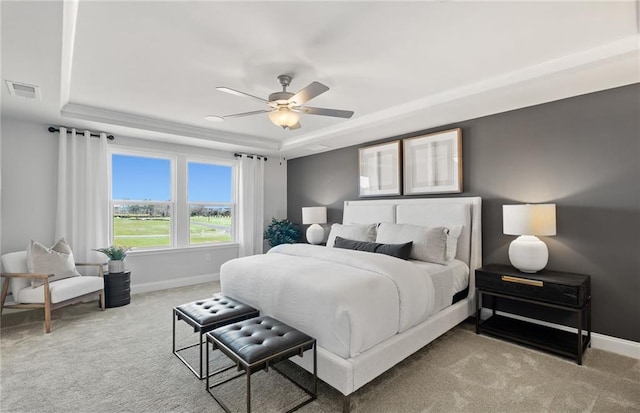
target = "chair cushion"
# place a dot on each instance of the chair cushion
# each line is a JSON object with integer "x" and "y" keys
{"x": 57, "y": 260}
{"x": 62, "y": 290}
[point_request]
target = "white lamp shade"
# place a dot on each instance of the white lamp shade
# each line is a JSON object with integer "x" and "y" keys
{"x": 538, "y": 219}
{"x": 314, "y": 215}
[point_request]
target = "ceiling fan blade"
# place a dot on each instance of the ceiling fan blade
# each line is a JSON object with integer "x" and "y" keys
{"x": 312, "y": 90}
{"x": 240, "y": 115}
{"x": 296, "y": 126}
{"x": 241, "y": 94}
{"x": 327, "y": 112}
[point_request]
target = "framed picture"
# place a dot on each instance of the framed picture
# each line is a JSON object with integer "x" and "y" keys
{"x": 433, "y": 163}
{"x": 379, "y": 169}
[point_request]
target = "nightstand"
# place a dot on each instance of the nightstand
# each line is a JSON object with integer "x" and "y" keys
{"x": 559, "y": 290}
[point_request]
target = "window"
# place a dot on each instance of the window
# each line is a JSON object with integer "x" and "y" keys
{"x": 142, "y": 204}
{"x": 170, "y": 201}
{"x": 210, "y": 197}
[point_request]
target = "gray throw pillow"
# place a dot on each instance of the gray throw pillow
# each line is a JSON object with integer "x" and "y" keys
{"x": 401, "y": 251}
{"x": 57, "y": 260}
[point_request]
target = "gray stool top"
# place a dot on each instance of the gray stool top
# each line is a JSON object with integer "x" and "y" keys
{"x": 215, "y": 310}
{"x": 260, "y": 338}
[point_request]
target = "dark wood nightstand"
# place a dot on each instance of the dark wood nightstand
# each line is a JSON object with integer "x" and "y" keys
{"x": 560, "y": 290}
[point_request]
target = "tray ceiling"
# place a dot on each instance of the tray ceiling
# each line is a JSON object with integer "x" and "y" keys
{"x": 150, "y": 69}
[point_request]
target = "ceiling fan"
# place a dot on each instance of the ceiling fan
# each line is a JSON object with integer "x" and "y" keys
{"x": 285, "y": 107}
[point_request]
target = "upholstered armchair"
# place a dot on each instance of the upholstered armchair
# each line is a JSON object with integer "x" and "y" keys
{"x": 51, "y": 294}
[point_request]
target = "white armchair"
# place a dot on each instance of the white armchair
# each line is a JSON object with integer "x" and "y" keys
{"x": 51, "y": 295}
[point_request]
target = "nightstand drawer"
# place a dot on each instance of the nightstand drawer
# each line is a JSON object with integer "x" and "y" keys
{"x": 562, "y": 289}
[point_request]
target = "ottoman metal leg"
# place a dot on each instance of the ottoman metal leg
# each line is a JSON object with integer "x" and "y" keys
{"x": 248, "y": 392}
{"x": 198, "y": 373}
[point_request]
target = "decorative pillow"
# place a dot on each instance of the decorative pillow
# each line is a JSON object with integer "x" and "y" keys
{"x": 429, "y": 244}
{"x": 57, "y": 260}
{"x": 356, "y": 232}
{"x": 452, "y": 241}
{"x": 401, "y": 251}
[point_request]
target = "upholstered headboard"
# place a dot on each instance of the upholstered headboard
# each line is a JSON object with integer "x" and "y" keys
{"x": 429, "y": 212}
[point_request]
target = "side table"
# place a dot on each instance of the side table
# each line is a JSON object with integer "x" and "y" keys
{"x": 560, "y": 290}
{"x": 117, "y": 289}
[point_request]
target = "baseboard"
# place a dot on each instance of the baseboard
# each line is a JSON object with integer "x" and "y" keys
{"x": 600, "y": 341}
{"x": 174, "y": 283}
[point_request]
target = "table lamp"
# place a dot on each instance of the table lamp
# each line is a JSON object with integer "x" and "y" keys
{"x": 314, "y": 216}
{"x": 527, "y": 253}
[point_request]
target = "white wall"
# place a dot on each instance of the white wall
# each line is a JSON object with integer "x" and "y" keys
{"x": 29, "y": 174}
{"x": 28, "y": 182}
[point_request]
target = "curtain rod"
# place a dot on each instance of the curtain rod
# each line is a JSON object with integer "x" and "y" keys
{"x": 93, "y": 135}
{"x": 250, "y": 155}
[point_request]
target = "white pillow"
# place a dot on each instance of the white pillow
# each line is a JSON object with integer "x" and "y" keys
{"x": 57, "y": 260}
{"x": 452, "y": 241}
{"x": 429, "y": 244}
{"x": 355, "y": 232}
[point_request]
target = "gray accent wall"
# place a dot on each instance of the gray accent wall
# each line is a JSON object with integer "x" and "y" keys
{"x": 581, "y": 153}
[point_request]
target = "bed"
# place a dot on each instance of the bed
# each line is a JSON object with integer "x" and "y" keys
{"x": 368, "y": 311}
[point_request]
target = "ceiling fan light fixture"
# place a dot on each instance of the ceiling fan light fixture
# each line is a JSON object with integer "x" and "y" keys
{"x": 285, "y": 108}
{"x": 284, "y": 117}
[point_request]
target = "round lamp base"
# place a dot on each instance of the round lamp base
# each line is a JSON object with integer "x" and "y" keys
{"x": 528, "y": 254}
{"x": 315, "y": 234}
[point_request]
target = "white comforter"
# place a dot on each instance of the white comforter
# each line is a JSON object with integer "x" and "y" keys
{"x": 348, "y": 300}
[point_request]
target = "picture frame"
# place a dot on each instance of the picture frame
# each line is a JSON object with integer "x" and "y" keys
{"x": 379, "y": 170}
{"x": 433, "y": 163}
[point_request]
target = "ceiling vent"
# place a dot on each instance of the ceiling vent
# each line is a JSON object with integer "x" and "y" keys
{"x": 23, "y": 90}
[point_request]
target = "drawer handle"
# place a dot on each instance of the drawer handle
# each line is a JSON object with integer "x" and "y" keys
{"x": 522, "y": 281}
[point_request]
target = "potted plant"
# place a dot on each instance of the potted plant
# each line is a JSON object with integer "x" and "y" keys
{"x": 281, "y": 232}
{"x": 116, "y": 254}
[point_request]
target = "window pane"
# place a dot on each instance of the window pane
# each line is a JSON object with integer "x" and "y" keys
{"x": 142, "y": 226}
{"x": 210, "y": 223}
{"x": 209, "y": 183}
{"x": 140, "y": 178}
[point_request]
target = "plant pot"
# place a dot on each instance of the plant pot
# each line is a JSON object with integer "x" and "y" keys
{"x": 116, "y": 266}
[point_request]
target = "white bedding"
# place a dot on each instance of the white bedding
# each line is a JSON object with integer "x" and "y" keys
{"x": 348, "y": 300}
{"x": 455, "y": 270}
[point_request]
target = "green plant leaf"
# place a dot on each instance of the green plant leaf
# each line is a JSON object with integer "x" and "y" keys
{"x": 114, "y": 252}
{"x": 281, "y": 232}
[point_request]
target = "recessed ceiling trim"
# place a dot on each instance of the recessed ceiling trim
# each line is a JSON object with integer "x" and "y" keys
{"x": 69, "y": 20}
{"x": 599, "y": 54}
{"x": 85, "y": 112}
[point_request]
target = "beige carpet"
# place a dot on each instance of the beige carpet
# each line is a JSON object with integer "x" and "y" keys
{"x": 120, "y": 360}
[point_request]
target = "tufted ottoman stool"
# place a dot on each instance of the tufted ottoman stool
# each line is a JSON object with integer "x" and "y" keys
{"x": 257, "y": 344}
{"x": 206, "y": 315}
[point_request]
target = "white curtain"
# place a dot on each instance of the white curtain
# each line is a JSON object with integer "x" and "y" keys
{"x": 251, "y": 205}
{"x": 82, "y": 210}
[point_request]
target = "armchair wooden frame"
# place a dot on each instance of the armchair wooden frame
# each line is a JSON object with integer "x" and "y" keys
{"x": 47, "y": 305}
